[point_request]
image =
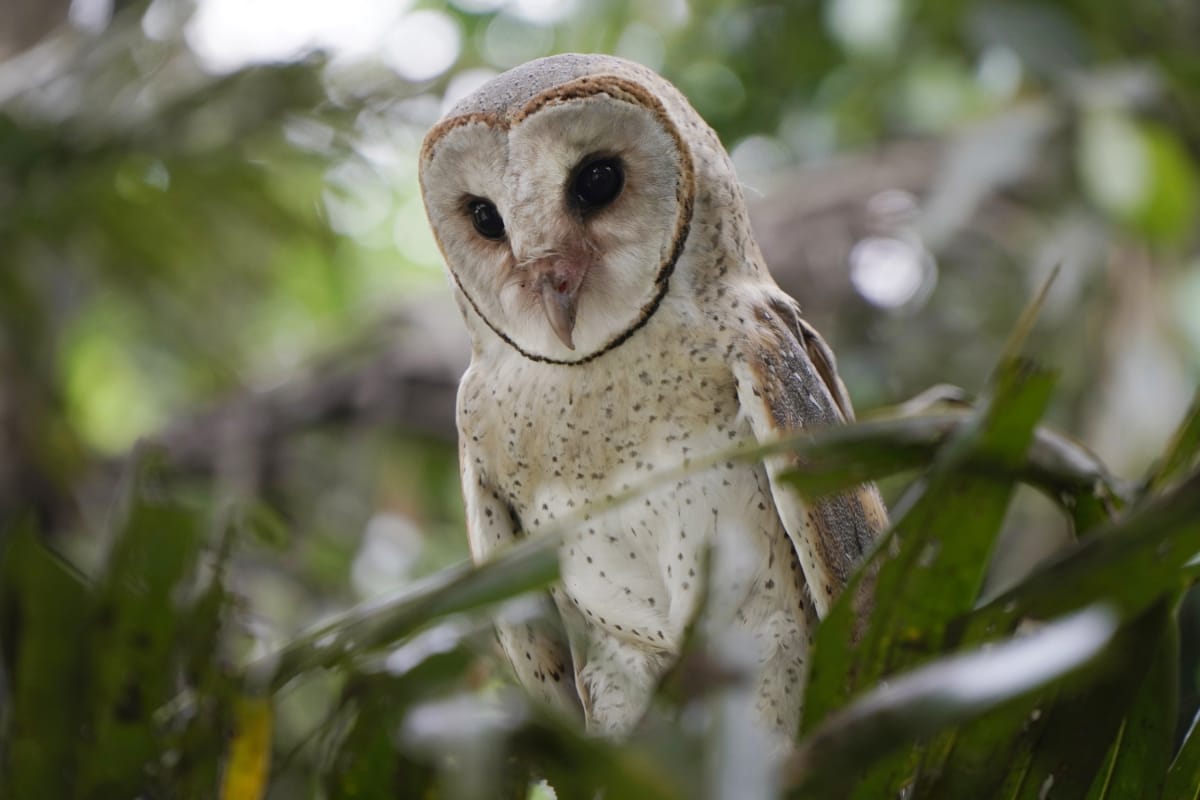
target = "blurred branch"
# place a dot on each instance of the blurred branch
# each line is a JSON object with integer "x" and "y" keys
{"x": 395, "y": 378}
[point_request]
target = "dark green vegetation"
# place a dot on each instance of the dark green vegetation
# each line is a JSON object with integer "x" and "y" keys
{"x": 1066, "y": 680}
{"x": 263, "y": 600}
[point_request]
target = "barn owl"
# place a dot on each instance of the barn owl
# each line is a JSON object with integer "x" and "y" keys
{"x": 623, "y": 323}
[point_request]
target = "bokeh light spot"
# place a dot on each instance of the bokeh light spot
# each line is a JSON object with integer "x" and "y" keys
{"x": 890, "y": 272}
{"x": 423, "y": 45}
{"x": 1114, "y": 162}
{"x": 542, "y": 12}
{"x": 641, "y": 43}
{"x": 227, "y": 35}
{"x": 865, "y": 27}
{"x": 509, "y": 41}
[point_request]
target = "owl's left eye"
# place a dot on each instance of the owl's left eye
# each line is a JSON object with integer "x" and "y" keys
{"x": 597, "y": 183}
{"x": 486, "y": 219}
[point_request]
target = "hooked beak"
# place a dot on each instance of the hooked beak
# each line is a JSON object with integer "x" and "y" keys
{"x": 558, "y": 281}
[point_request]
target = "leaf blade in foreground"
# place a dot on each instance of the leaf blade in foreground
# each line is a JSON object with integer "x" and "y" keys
{"x": 918, "y": 704}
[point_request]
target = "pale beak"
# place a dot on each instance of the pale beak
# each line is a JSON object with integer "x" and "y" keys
{"x": 558, "y": 281}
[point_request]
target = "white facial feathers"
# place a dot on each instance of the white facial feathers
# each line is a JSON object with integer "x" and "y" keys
{"x": 606, "y": 263}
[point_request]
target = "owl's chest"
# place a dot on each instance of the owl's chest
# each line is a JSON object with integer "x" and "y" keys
{"x": 554, "y": 438}
{"x": 562, "y": 442}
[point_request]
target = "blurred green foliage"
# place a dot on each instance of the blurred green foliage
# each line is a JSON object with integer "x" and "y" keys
{"x": 197, "y": 211}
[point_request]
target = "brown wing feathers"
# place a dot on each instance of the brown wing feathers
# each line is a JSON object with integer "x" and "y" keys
{"x": 799, "y": 385}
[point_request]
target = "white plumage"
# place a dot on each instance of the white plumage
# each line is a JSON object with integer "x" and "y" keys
{"x": 623, "y": 323}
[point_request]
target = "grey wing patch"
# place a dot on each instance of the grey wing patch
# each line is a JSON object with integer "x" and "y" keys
{"x": 787, "y": 382}
{"x": 818, "y": 352}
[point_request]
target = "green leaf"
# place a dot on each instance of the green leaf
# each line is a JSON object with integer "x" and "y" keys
{"x": 1183, "y": 778}
{"x": 1130, "y": 565}
{"x": 1078, "y": 731}
{"x": 366, "y": 761}
{"x": 1139, "y": 172}
{"x": 944, "y": 535}
{"x": 1137, "y": 761}
{"x": 915, "y": 705}
{"x": 133, "y": 635}
{"x": 1055, "y": 738}
{"x": 213, "y": 688}
{"x": 42, "y": 613}
{"x": 1182, "y": 452}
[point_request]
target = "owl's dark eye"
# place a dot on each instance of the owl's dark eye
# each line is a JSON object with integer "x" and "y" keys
{"x": 598, "y": 182}
{"x": 487, "y": 219}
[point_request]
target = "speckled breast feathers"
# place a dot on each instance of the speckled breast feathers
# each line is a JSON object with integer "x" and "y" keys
{"x": 623, "y": 324}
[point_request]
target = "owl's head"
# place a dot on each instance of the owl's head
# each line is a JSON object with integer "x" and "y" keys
{"x": 561, "y": 195}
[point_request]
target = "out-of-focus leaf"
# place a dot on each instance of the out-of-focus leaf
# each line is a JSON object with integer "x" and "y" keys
{"x": 133, "y": 633}
{"x": 248, "y": 762}
{"x": 576, "y": 764}
{"x": 1055, "y": 738}
{"x": 43, "y": 606}
{"x": 1137, "y": 761}
{"x": 1129, "y": 564}
{"x": 367, "y": 761}
{"x": 944, "y": 537}
{"x": 1182, "y": 452}
{"x": 913, "y": 706}
{"x": 1077, "y": 732}
{"x": 529, "y": 565}
{"x": 1170, "y": 213}
{"x": 1183, "y": 778}
{"x": 213, "y": 686}
{"x": 1140, "y": 173}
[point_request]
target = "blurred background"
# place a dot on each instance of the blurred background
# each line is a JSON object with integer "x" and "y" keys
{"x": 211, "y": 237}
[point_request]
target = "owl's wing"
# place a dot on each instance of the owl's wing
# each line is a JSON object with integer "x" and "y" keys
{"x": 787, "y": 381}
{"x": 537, "y": 644}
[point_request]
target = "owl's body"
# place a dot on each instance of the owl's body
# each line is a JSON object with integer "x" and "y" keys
{"x": 551, "y": 441}
{"x": 622, "y": 328}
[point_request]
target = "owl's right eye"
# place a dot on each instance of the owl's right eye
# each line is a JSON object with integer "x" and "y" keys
{"x": 486, "y": 219}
